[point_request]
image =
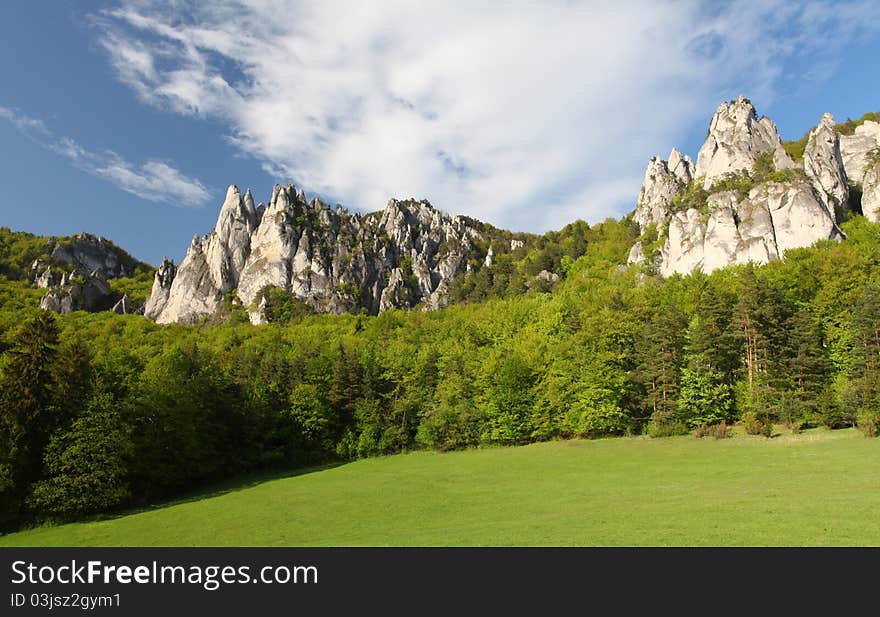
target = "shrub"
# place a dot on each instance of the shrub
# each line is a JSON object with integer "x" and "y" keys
{"x": 593, "y": 419}
{"x": 796, "y": 149}
{"x": 666, "y": 424}
{"x": 694, "y": 196}
{"x": 741, "y": 182}
{"x": 798, "y": 426}
{"x": 718, "y": 431}
{"x": 763, "y": 165}
{"x": 752, "y": 422}
{"x": 868, "y": 421}
{"x": 87, "y": 464}
{"x": 849, "y": 127}
{"x": 839, "y": 412}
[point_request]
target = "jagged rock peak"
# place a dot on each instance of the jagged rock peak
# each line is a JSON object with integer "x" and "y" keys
{"x": 681, "y": 165}
{"x": 736, "y": 138}
{"x": 89, "y": 252}
{"x": 78, "y": 292}
{"x": 332, "y": 260}
{"x": 823, "y": 164}
{"x": 490, "y": 258}
{"x": 46, "y": 279}
{"x": 730, "y": 228}
{"x": 162, "y": 281}
{"x": 664, "y": 180}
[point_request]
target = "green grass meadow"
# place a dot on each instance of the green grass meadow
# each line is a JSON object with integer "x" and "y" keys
{"x": 816, "y": 488}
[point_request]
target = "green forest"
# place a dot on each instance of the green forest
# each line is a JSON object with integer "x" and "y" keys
{"x": 100, "y": 412}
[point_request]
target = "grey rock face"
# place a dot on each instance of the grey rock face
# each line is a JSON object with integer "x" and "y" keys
{"x": 327, "y": 257}
{"x": 162, "y": 281}
{"x": 636, "y": 253}
{"x": 91, "y": 254}
{"x": 79, "y": 292}
{"x": 211, "y": 267}
{"x": 773, "y": 218}
{"x": 856, "y": 148}
{"x": 544, "y": 276}
{"x": 799, "y": 218}
{"x": 257, "y": 316}
{"x": 395, "y": 293}
{"x": 736, "y": 138}
{"x": 663, "y": 182}
{"x": 46, "y": 279}
{"x": 490, "y": 258}
{"x": 824, "y": 166}
{"x": 871, "y": 193}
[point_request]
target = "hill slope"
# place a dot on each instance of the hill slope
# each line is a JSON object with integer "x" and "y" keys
{"x": 816, "y": 488}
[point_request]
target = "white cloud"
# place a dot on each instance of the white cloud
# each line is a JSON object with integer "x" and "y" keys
{"x": 526, "y": 115}
{"x": 153, "y": 180}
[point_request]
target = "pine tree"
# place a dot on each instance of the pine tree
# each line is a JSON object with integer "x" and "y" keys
{"x": 659, "y": 352}
{"x": 807, "y": 365}
{"x": 866, "y": 326}
{"x": 86, "y": 463}
{"x": 27, "y": 413}
{"x": 711, "y": 347}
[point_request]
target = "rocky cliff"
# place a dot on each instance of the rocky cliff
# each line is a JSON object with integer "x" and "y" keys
{"x": 75, "y": 270}
{"x": 78, "y": 291}
{"x": 331, "y": 259}
{"x": 860, "y": 152}
{"x": 736, "y": 139}
{"x": 747, "y": 199}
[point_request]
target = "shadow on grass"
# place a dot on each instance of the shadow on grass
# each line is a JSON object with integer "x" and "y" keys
{"x": 214, "y": 489}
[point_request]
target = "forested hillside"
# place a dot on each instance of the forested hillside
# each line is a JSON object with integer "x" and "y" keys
{"x": 103, "y": 411}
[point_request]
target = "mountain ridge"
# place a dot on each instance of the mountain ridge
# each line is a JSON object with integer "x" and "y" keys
{"x": 748, "y": 198}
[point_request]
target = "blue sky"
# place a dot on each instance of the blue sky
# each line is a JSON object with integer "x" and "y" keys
{"x": 129, "y": 119}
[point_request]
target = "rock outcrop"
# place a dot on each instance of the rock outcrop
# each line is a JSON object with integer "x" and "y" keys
{"x": 773, "y": 218}
{"x": 89, "y": 253}
{"x": 45, "y": 278}
{"x": 664, "y": 180}
{"x": 736, "y": 138}
{"x": 162, "y": 280}
{"x": 856, "y": 150}
{"x": 824, "y": 166}
{"x": 209, "y": 270}
{"x": 74, "y": 271}
{"x": 78, "y": 292}
{"x": 757, "y": 222}
{"x": 871, "y": 193}
{"x": 333, "y": 260}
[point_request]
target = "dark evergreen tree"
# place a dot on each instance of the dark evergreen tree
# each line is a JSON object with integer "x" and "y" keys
{"x": 711, "y": 347}
{"x": 28, "y": 414}
{"x": 866, "y": 327}
{"x": 659, "y": 353}
{"x": 86, "y": 464}
{"x": 807, "y": 370}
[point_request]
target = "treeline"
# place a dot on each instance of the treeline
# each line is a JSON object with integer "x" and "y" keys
{"x": 101, "y": 411}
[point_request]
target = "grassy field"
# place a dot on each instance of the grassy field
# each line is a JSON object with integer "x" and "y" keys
{"x": 817, "y": 488}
